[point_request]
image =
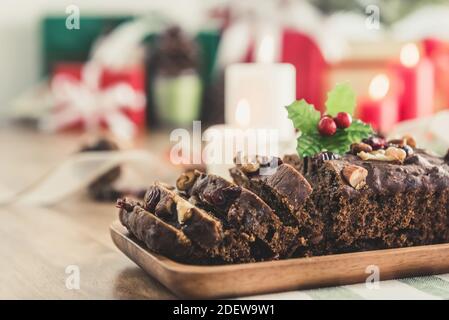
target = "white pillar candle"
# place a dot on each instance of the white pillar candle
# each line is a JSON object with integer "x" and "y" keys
{"x": 257, "y": 94}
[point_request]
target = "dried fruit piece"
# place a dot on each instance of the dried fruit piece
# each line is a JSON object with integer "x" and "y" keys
{"x": 215, "y": 198}
{"x": 358, "y": 147}
{"x": 165, "y": 209}
{"x": 376, "y": 142}
{"x": 151, "y": 199}
{"x": 355, "y": 176}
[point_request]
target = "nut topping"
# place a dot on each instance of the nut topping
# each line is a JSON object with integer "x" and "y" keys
{"x": 358, "y": 147}
{"x": 184, "y": 209}
{"x": 250, "y": 167}
{"x": 398, "y": 142}
{"x": 355, "y": 176}
{"x": 410, "y": 140}
{"x": 391, "y": 154}
{"x": 375, "y": 155}
{"x": 396, "y": 153}
{"x": 186, "y": 180}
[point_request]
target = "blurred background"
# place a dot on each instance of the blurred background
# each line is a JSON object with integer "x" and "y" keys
{"x": 137, "y": 66}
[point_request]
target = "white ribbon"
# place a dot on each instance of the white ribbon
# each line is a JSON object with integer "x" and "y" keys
{"x": 81, "y": 169}
{"x": 85, "y": 100}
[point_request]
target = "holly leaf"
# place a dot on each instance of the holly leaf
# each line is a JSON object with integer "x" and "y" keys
{"x": 308, "y": 144}
{"x": 304, "y": 116}
{"x": 312, "y": 143}
{"x": 341, "y": 99}
{"x": 358, "y": 131}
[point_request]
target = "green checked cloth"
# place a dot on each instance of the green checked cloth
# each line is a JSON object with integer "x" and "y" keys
{"x": 420, "y": 288}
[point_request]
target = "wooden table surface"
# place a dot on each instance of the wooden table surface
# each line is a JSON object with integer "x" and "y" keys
{"x": 38, "y": 243}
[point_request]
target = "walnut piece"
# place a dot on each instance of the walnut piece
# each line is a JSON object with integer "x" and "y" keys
{"x": 186, "y": 180}
{"x": 396, "y": 153}
{"x": 355, "y": 176}
{"x": 398, "y": 142}
{"x": 359, "y": 147}
{"x": 410, "y": 140}
{"x": 378, "y": 155}
{"x": 250, "y": 167}
{"x": 391, "y": 154}
{"x": 184, "y": 209}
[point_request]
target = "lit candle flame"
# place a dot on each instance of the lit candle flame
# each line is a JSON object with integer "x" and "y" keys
{"x": 409, "y": 56}
{"x": 243, "y": 113}
{"x": 265, "y": 52}
{"x": 379, "y": 86}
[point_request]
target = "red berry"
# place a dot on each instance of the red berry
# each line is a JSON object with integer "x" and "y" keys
{"x": 343, "y": 120}
{"x": 327, "y": 126}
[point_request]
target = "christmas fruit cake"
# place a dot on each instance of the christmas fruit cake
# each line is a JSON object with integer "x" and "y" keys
{"x": 347, "y": 189}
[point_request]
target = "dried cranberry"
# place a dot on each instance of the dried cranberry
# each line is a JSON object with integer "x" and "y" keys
{"x": 376, "y": 142}
{"x": 165, "y": 209}
{"x": 221, "y": 197}
{"x": 215, "y": 197}
{"x": 152, "y": 198}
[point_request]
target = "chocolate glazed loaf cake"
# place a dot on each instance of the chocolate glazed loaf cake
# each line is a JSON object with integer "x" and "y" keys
{"x": 379, "y": 199}
{"x": 245, "y": 212}
{"x": 379, "y": 195}
{"x": 288, "y": 194}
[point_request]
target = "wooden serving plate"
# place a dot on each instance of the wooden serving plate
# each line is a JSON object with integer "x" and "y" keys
{"x": 190, "y": 281}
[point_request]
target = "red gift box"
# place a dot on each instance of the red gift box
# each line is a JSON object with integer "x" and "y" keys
{"x": 134, "y": 77}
